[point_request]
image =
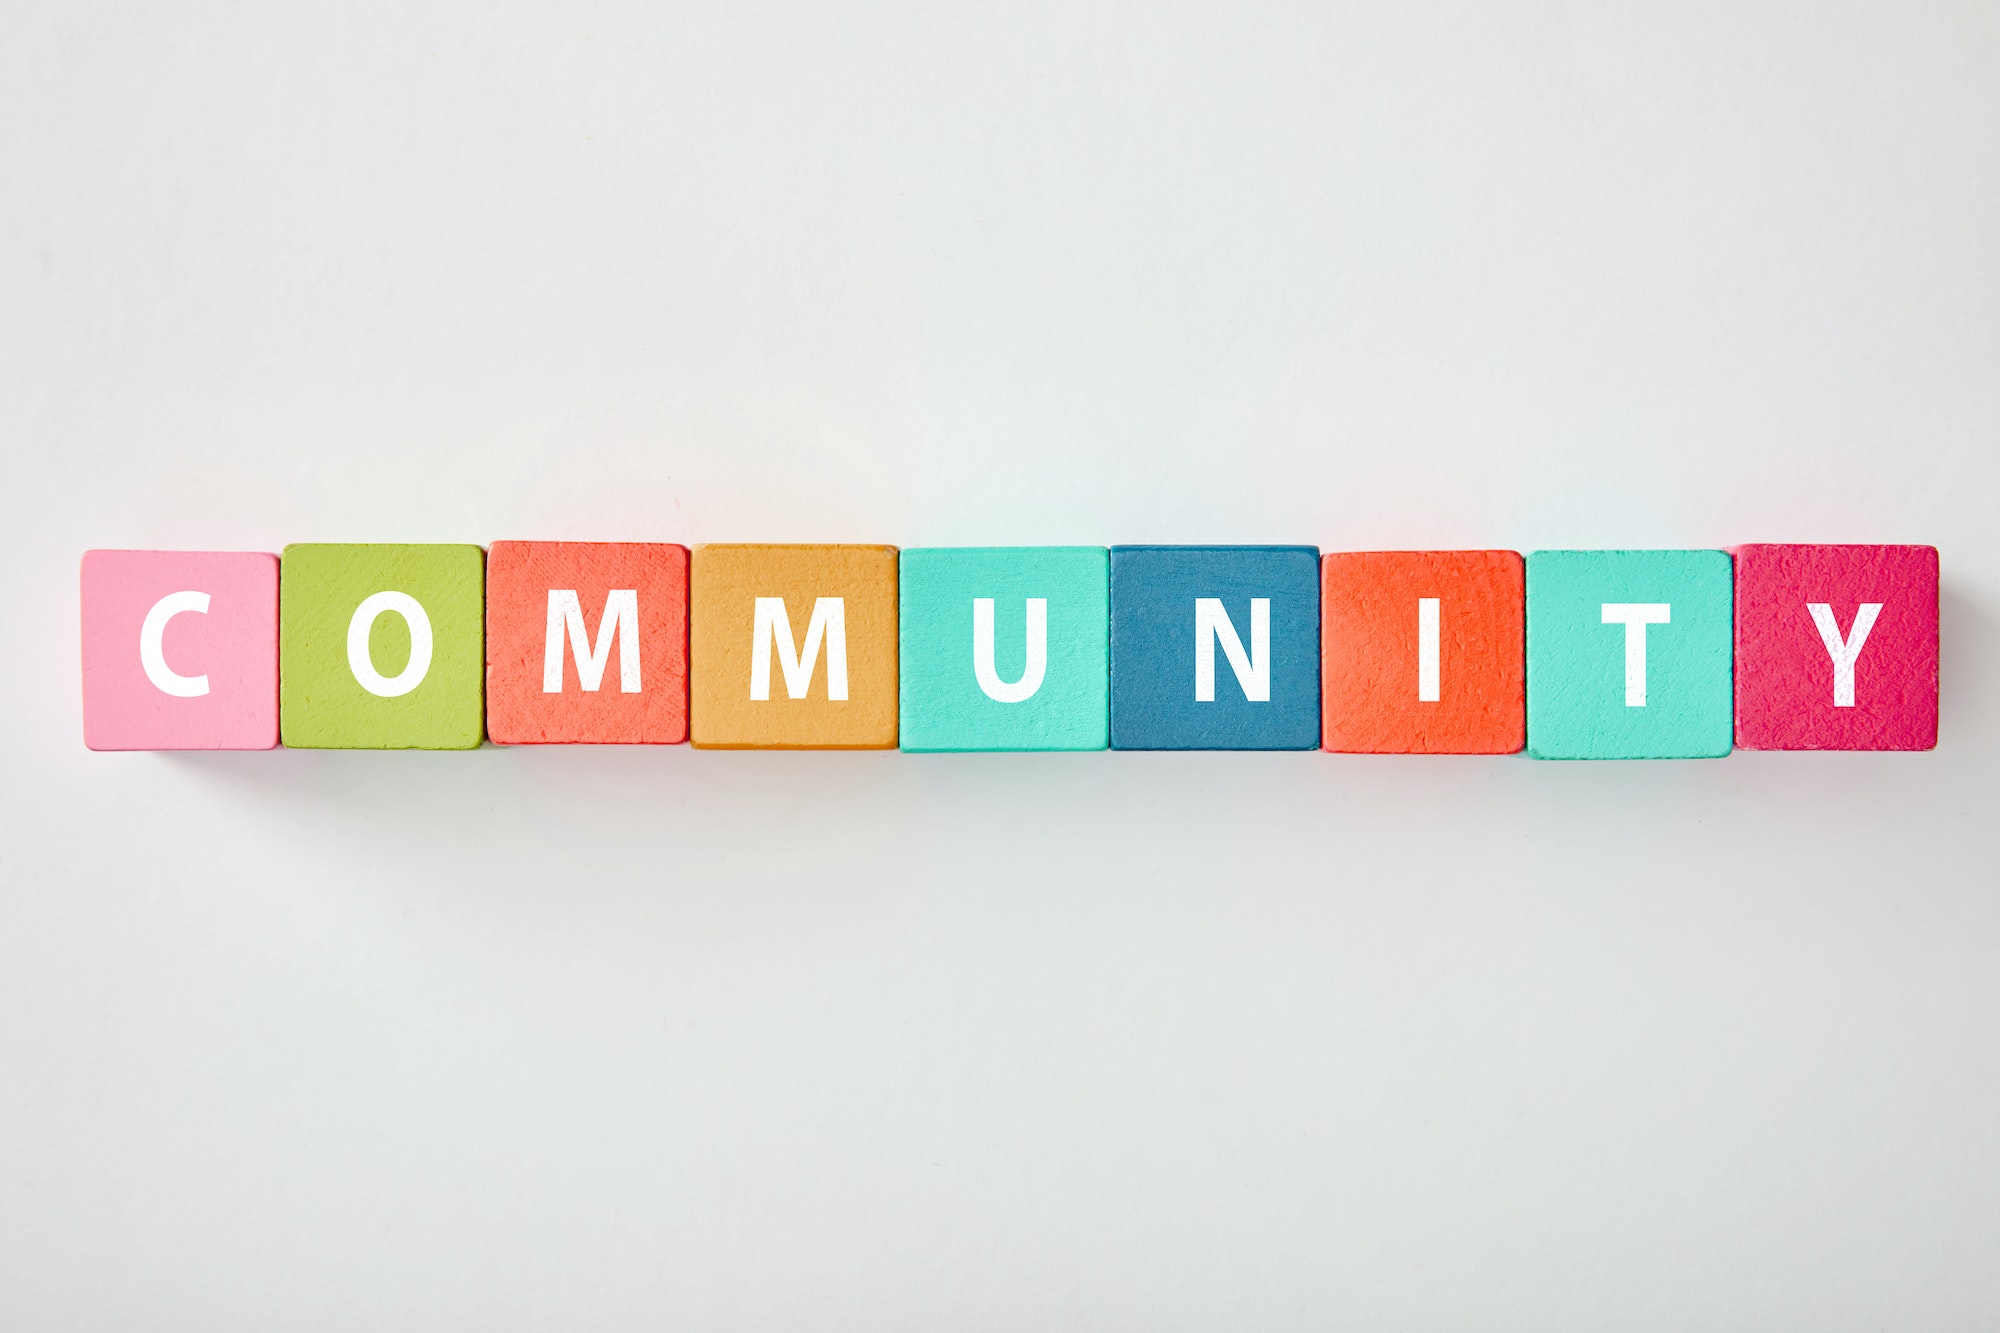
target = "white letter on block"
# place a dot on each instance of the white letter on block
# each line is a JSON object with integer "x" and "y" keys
{"x": 1844, "y": 651}
{"x": 363, "y": 665}
{"x": 193, "y": 687}
{"x": 1635, "y": 616}
{"x": 982, "y": 651}
{"x": 1253, "y": 673}
{"x": 772, "y": 632}
{"x": 1427, "y": 650}
{"x": 621, "y": 618}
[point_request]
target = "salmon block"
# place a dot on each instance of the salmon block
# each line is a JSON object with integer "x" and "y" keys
{"x": 586, "y": 643}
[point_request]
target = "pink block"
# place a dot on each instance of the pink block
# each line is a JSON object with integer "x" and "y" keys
{"x": 1839, "y": 677}
{"x": 160, "y": 672}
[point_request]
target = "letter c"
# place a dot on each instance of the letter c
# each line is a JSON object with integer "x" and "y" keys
{"x": 154, "y": 660}
{"x": 362, "y": 664}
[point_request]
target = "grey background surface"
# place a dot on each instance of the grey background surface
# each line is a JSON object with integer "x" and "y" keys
{"x": 640, "y": 1039}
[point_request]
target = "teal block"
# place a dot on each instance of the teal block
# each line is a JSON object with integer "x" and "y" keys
{"x": 1589, "y": 697}
{"x": 945, "y": 704}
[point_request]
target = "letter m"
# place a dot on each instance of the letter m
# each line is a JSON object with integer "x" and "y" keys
{"x": 772, "y": 633}
{"x": 621, "y": 621}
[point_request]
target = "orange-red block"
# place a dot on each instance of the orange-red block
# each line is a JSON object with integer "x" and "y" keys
{"x": 586, "y": 643}
{"x": 1422, "y": 652}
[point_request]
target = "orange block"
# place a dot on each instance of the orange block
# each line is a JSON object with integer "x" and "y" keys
{"x": 586, "y": 642}
{"x": 1422, "y": 652}
{"x": 794, "y": 647}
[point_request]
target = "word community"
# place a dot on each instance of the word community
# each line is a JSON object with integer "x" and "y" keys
{"x": 1568, "y": 654}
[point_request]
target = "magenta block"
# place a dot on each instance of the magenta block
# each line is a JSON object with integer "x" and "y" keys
{"x": 180, "y": 650}
{"x": 1836, "y": 647}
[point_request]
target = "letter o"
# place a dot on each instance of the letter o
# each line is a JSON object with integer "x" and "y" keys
{"x": 363, "y": 665}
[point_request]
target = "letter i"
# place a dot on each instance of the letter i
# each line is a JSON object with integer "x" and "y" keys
{"x": 1427, "y": 650}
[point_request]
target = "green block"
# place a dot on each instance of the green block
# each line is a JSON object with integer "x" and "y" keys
{"x": 1630, "y": 654}
{"x": 945, "y": 705}
{"x": 334, "y": 693}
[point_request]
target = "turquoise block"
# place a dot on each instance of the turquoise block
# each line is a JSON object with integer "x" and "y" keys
{"x": 969, "y": 625}
{"x": 1629, "y": 654}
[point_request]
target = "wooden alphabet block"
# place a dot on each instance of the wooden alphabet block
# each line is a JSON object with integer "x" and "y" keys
{"x": 382, "y": 647}
{"x": 586, "y": 643}
{"x": 1006, "y": 648}
{"x": 180, "y": 650}
{"x": 1836, "y": 647}
{"x": 793, "y": 647}
{"x": 1215, "y": 648}
{"x": 1422, "y": 652}
{"x": 1629, "y": 654}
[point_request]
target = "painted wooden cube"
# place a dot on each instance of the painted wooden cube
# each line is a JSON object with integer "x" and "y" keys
{"x": 1836, "y": 647}
{"x": 180, "y": 650}
{"x": 1215, "y": 648}
{"x": 382, "y": 647}
{"x": 1629, "y": 654}
{"x": 793, "y": 647}
{"x": 1421, "y": 652}
{"x": 586, "y": 643}
{"x": 1006, "y": 648}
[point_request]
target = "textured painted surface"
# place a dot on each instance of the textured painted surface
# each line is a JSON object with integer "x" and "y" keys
{"x": 519, "y": 579}
{"x": 324, "y": 705}
{"x": 234, "y": 644}
{"x": 944, "y": 706}
{"x": 1785, "y": 669}
{"x": 1577, "y": 664}
{"x": 1369, "y": 652}
{"x": 724, "y": 585}
{"x": 1153, "y": 641}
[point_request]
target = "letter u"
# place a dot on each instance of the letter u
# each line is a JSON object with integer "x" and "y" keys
{"x": 982, "y": 651}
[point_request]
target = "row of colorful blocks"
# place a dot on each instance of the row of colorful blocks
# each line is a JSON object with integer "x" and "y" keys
{"x": 1576, "y": 654}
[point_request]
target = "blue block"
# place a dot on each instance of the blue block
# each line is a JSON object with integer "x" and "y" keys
{"x": 1176, "y": 611}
